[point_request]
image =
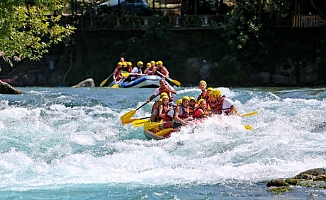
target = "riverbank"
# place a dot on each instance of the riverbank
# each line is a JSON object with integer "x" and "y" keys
{"x": 292, "y": 58}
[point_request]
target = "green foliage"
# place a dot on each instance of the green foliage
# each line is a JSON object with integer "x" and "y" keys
{"x": 29, "y": 28}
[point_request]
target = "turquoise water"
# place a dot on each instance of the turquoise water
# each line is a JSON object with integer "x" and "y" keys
{"x": 68, "y": 143}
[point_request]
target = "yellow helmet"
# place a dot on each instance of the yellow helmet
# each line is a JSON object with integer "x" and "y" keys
{"x": 192, "y": 98}
{"x": 164, "y": 94}
{"x": 185, "y": 98}
{"x": 124, "y": 63}
{"x": 179, "y": 102}
{"x": 159, "y": 63}
{"x": 165, "y": 97}
{"x": 200, "y": 101}
{"x": 217, "y": 92}
{"x": 129, "y": 63}
{"x": 202, "y": 81}
{"x": 148, "y": 64}
{"x": 152, "y": 62}
{"x": 140, "y": 63}
{"x": 119, "y": 63}
{"x": 210, "y": 89}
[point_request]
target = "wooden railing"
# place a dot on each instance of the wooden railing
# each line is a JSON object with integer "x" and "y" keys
{"x": 307, "y": 21}
{"x": 176, "y": 22}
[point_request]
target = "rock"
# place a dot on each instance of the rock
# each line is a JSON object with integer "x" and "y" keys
{"x": 263, "y": 77}
{"x": 85, "y": 83}
{"x": 310, "y": 174}
{"x": 5, "y": 88}
{"x": 285, "y": 74}
{"x": 280, "y": 79}
{"x": 279, "y": 190}
{"x": 308, "y": 73}
{"x": 277, "y": 183}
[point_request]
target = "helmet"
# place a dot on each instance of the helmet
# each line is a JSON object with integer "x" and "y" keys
{"x": 129, "y": 63}
{"x": 202, "y": 81}
{"x": 200, "y": 101}
{"x": 192, "y": 98}
{"x": 152, "y": 62}
{"x": 165, "y": 97}
{"x": 217, "y": 92}
{"x": 159, "y": 63}
{"x": 210, "y": 89}
{"x": 179, "y": 101}
{"x": 148, "y": 64}
{"x": 140, "y": 63}
{"x": 164, "y": 94}
{"x": 119, "y": 63}
{"x": 185, "y": 98}
{"x": 124, "y": 64}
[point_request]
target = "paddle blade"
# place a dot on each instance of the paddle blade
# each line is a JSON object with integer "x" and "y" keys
{"x": 115, "y": 85}
{"x": 177, "y": 83}
{"x": 127, "y": 121}
{"x": 103, "y": 82}
{"x": 164, "y": 131}
{"x": 151, "y": 125}
{"x": 249, "y": 114}
{"x": 128, "y": 115}
{"x": 140, "y": 122}
{"x": 248, "y": 127}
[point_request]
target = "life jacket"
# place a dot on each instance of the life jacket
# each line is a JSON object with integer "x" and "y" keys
{"x": 199, "y": 113}
{"x": 118, "y": 74}
{"x": 167, "y": 92}
{"x": 192, "y": 110}
{"x": 127, "y": 69}
{"x": 154, "y": 111}
{"x": 165, "y": 110}
{"x": 215, "y": 107}
{"x": 203, "y": 95}
{"x": 219, "y": 109}
{"x": 184, "y": 112}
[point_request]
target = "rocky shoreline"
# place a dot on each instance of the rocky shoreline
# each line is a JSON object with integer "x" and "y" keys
{"x": 311, "y": 178}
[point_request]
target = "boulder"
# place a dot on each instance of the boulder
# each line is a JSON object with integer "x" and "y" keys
{"x": 85, "y": 83}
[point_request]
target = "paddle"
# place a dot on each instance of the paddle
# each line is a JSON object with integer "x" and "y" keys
{"x": 128, "y": 115}
{"x": 151, "y": 125}
{"x": 105, "y": 80}
{"x": 164, "y": 131}
{"x": 175, "y": 82}
{"x": 247, "y": 127}
{"x": 249, "y": 114}
{"x": 140, "y": 122}
{"x": 117, "y": 85}
{"x": 128, "y": 121}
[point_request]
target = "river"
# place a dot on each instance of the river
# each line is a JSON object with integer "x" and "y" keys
{"x": 69, "y": 143}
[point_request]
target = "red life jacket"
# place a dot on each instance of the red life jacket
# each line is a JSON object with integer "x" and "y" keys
{"x": 118, "y": 73}
{"x": 165, "y": 110}
{"x": 191, "y": 110}
{"x": 184, "y": 112}
{"x": 219, "y": 109}
{"x": 203, "y": 95}
{"x": 167, "y": 92}
{"x": 215, "y": 107}
{"x": 199, "y": 113}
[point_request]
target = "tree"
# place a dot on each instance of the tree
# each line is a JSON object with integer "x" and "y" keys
{"x": 29, "y": 27}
